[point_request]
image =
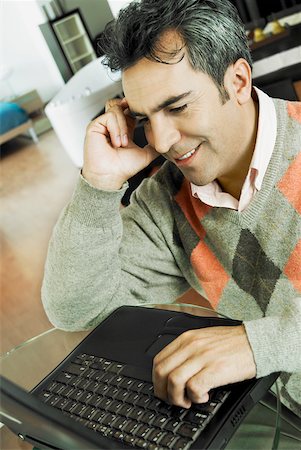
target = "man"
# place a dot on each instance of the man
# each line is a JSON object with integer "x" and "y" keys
{"x": 222, "y": 215}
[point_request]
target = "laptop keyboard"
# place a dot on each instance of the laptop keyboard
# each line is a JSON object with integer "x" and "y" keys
{"x": 101, "y": 395}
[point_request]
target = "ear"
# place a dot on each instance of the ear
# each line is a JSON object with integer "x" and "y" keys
{"x": 241, "y": 80}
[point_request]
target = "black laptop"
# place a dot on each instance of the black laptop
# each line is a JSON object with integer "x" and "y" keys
{"x": 101, "y": 396}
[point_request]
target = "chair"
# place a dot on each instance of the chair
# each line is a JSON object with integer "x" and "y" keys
{"x": 81, "y": 99}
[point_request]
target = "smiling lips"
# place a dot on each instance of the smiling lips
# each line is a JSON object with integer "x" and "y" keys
{"x": 187, "y": 155}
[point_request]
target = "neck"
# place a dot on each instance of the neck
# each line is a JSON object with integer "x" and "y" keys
{"x": 232, "y": 183}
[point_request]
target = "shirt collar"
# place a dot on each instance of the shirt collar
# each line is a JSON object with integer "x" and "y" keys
{"x": 212, "y": 194}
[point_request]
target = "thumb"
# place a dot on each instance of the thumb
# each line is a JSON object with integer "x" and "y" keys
{"x": 150, "y": 153}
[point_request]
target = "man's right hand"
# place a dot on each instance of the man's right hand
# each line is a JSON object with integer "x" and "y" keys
{"x": 110, "y": 155}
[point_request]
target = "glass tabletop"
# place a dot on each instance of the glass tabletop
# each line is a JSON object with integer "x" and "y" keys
{"x": 28, "y": 363}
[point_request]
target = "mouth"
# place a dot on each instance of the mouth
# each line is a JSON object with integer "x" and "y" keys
{"x": 184, "y": 159}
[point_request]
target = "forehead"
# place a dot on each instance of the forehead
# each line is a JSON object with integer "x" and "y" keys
{"x": 148, "y": 82}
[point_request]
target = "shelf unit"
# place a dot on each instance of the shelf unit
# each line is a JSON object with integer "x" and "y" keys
{"x": 74, "y": 40}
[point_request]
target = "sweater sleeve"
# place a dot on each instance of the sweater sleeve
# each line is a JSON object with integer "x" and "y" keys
{"x": 276, "y": 340}
{"x": 96, "y": 259}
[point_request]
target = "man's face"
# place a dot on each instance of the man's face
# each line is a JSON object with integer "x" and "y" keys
{"x": 185, "y": 119}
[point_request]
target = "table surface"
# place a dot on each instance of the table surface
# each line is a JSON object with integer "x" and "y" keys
{"x": 28, "y": 363}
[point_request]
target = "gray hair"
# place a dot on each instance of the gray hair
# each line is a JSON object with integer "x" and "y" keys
{"x": 211, "y": 31}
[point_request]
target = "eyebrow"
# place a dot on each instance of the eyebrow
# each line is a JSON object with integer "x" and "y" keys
{"x": 169, "y": 101}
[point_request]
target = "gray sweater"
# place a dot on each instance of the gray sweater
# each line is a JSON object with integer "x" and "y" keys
{"x": 248, "y": 264}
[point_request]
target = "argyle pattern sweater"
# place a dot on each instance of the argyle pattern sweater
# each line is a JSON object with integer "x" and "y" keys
{"x": 247, "y": 264}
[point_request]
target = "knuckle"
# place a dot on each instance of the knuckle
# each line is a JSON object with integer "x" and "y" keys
{"x": 188, "y": 335}
{"x": 193, "y": 386}
{"x": 158, "y": 370}
{"x": 174, "y": 379}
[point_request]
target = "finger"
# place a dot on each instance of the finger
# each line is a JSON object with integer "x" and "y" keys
{"x": 177, "y": 344}
{"x": 111, "y": 122}
{"x": 150, "y": 154}
{"x": 199, "y": 385}
{"x": 178, "y": 379}
{"x": 123, "y": 128}
{"x": 171, "y": 372}
{"x": 112, "y": 102}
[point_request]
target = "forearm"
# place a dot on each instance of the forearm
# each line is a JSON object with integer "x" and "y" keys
{"x": 96, "y": 260}
{"x": 75, "y": 275}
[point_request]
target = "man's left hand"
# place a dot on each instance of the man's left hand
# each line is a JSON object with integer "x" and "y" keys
{"x": 199, "y": 360}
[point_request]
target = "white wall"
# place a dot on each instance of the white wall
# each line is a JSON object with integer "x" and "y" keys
{"x": 24, "y": 49}
{"x": 116, "y": 5}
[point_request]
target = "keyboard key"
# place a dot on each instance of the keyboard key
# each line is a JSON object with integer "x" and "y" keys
{"x": 65, "y": 378}
{"x": 160, "y": 421}
{"x": 132, "y": 397}
{"x": 219, "y": 396}
{"x": 122, "y": 395}
{"x": 101, "y": 388}
{"x": 131, "y": 426}
{"x": 105, "y": 403}
{"x": 136, "y": 385}
{"x": 196, "y": 417}
{"x": 206, "y": 408}
{"x": 89, "y": 412}
{"x": 86, "y": 396}
{"x": 142, "y": 431}
{"x": 116, "y": 381}
{"x": 147, "y": 417}
{"x": 108, "y": 419}
{"x": 94, "y": 400}
{"x": 155, "y": 435}
{"x": 114, "y": 406}
{"x": 127, "y": 382}
{"x": 45, "y": 396}
{"x": 128, "y": 439}
{"x": 69, "y": 406}
{"x": 136, "y": 413}
{"x": 181, "y": 444}
{"x": 99, "y": 416}
{"x": 187, "y": 430}
{"x": 125, "y": 410}
{"x": 67, "y": 391}
{"x": 75, "y": 369}
{"x": 143, "y": 401}
{"x": 119, "y": 423}
{"x": 79, "y": 409}
{"x": 62, "y": 403}
{"x": 55, "y": 388}
{"x": 141, "y": 443}
{"x": 167, "y": 440}
{"x": 172, "y": 424}
{"x": 155, "y": 404}
{"x": 53, "y": 400}
{"x": 116, "y": 368}
{"x": 97, "y": 375}
{"x": 147, "y": 388}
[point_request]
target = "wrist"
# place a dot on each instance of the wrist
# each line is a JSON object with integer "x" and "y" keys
{"x": 105, "y": 183}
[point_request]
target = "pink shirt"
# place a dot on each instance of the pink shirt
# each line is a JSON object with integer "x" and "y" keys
{"x": 212, "y": 194}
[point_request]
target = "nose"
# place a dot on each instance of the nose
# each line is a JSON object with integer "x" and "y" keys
{"x": 163, "y": 134}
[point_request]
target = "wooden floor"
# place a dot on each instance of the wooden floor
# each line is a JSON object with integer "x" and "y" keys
{"x": 36, "y": 182}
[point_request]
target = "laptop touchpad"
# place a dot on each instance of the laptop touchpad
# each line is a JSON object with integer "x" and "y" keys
{"x": 161, "y": 341}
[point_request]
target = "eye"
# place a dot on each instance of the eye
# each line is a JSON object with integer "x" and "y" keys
{"x": 178, "y": 110}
